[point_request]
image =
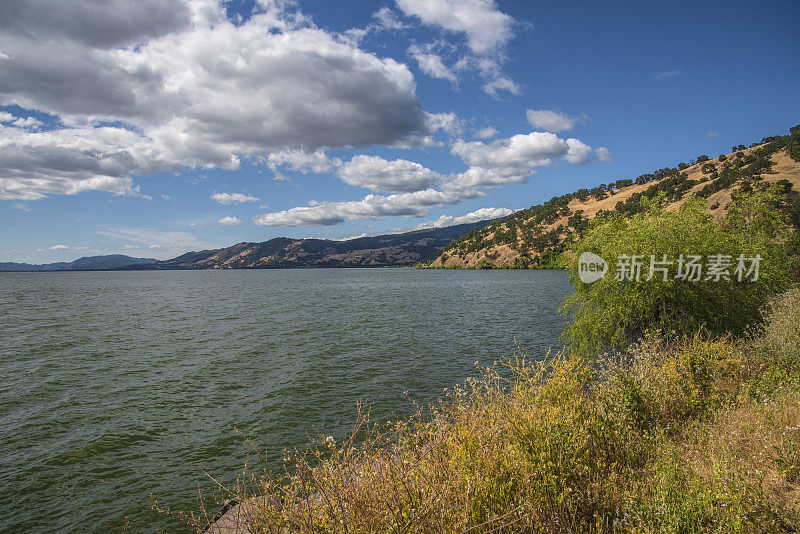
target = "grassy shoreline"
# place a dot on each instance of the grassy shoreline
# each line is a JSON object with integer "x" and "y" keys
{"x": 697, "y": 435}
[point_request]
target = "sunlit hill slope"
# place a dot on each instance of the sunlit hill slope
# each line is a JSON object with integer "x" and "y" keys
{"x": 535, "y": 237}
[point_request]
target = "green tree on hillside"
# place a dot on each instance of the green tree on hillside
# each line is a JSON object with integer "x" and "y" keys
{"x": 612, "y": 312}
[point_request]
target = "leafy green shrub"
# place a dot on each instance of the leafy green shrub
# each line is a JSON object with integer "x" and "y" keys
{"x": 793, "y": 145}
{"x": 618, "y": 310}
{"x": 485, "y": 264}
{"x": 522, "y": 262}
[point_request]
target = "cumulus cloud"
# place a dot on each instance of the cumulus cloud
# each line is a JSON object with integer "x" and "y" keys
{"x": 487, "y": 31}
{"x": 431, "y": 64}
{"x": 387, "y": 19}
{"x": 27, "y": 122}
{"x": 416, "y": 204}
{"x": 5, "y": 116}
{"x": 486, "y": 133}
{"x": 70, "y": 161}
{"x": 186, "y": 88}
{"x": 482, "y": 214}
{"x": 515, "y": 159}
{"x": 378, "y": 174}
{"x": 233, "y": 198}
{"x": 501, "y": 83}
{"x": 485, "y": 27}
{"x": 448, "y": 122}
{"x": 507, "y": 161}
{"x": 384, "y": 20}
{"x": 551, "y": 121}
{"x": 603, "y": 154}
{"x": 229, "y": 221}
{"x": 418, "y": 189}
{"x": 94, "y": 24}
{"x": 302, "y": 160}
{"x": 578, "y": 153}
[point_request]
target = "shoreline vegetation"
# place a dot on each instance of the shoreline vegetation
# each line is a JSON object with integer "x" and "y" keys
{"x": 674, "y": 406}
{"x": 696, "y": 435}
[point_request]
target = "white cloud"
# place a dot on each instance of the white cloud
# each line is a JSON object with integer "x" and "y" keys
{"x": 712, "y": 134}
{"x": 482, "y": 214}
{"x": 486, "y": 133}
{"x": 603, "y": 154}
{"x": 27, "y": 122}
{"x": 233, "y": 198}
{"x": 193, "y": 89}
{"x": 379, "y": 174}
{"x": 5, "y": 116}
{"x": 486, "y": 28}
{"x": 229, "y": 221}
{"x": 501, "y": 83}
{"x": 302, "y": 160}
{"x": 431, "y": 64}
{"x": 487, "y": 31}
{"x": 667, "y": 75}
{"x": 350, "y": 238}
{"x": 503, "y": 161}
{"x": 59, "y": 247}
{"x": 578, "y": 153}
{"x": 387, "y": 19}
{"x": 164, "y": 197}
{"x": 70, "y": 161}
{"x": 416, "y": 204}
{"x": 447, "y": 122}
{"x": 506, "y": 161}
{"x": 551, "y": 121}
{"x": 106, "y": 24}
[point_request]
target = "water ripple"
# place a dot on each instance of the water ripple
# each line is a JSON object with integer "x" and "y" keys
{"x": 118, "y": 385}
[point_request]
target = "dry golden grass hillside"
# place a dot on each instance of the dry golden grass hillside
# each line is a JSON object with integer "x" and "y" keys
{"x": 534, "y": 237}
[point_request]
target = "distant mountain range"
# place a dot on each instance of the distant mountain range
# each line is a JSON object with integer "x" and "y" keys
{"x": 89, "y": 263}
{"x": 389, "y": 250}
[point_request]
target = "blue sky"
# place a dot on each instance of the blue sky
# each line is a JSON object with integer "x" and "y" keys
{"x": 143, "y": 128}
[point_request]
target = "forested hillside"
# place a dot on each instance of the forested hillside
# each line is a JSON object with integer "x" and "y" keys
{"x": 536, "y": 237}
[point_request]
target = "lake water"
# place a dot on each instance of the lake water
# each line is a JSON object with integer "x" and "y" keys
{"x": 115, "y": 386}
